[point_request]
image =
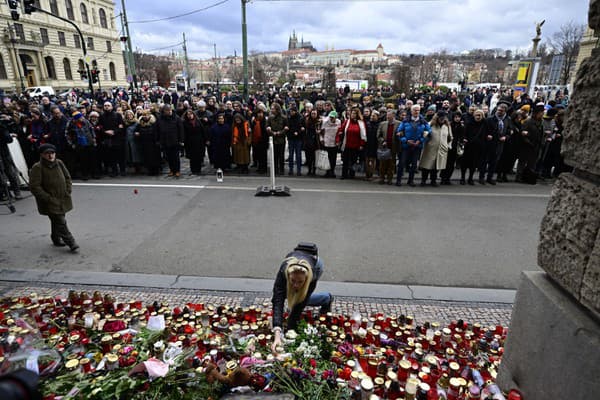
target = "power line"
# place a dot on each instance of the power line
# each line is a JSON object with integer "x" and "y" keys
{"x": 166, "y": 47}
{"x": 180, "y": 15}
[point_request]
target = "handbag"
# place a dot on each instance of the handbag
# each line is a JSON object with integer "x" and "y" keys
{"x": 322, "y": 160}
{"x": 384, "y": 153}
{"x": 460, "y": 149}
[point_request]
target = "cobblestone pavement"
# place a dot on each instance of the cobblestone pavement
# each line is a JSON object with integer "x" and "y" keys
{"x": 486, "y": 314}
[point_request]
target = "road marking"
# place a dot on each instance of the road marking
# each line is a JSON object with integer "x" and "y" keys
{"x": 136, "y": 185}
{"x": 395, "y": 192}
{"x": 307, "y": 190}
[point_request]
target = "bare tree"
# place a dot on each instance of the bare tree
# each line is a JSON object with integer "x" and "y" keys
{"x": 566, "y": 42}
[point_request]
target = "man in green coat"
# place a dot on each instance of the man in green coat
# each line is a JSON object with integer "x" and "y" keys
{"x": 50, "y": 183}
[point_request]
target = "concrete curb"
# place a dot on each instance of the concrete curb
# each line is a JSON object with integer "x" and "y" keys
{"x": 343, "y": 289}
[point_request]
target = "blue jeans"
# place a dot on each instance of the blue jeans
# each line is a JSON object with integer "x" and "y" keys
{"x": 295, "y": 153}
{"x": 408, "y": 159}
{"x": 320, "y": 299}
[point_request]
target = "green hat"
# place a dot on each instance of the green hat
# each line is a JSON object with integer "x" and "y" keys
{"x": 333, "y": 114}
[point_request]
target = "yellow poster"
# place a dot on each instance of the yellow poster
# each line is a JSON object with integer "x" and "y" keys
{"x": 522, "y": 74}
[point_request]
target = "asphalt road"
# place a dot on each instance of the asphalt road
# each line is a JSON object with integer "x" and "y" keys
{"x": 463, "y": 236}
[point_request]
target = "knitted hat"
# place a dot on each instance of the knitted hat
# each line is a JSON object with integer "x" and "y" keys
{"x": 76, "y": 115}
{"x": 333, "y": 114}
{"x": 47, "y": 148}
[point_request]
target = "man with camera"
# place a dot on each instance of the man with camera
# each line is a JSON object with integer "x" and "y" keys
{"x": 8, "y": 171}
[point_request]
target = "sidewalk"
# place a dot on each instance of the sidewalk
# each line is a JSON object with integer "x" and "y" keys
{"x": 425, "y": 303}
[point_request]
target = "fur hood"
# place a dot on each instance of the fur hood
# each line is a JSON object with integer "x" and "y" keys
{"x": 151, "y": 121}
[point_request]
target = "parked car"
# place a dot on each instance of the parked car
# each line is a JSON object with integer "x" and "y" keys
{"x": 39, "y": 91}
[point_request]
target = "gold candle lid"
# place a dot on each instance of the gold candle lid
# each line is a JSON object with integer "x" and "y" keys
{"x": 111, "y": 358}
{"x": 84, "y": 361}
{"x": 74, "y": 363}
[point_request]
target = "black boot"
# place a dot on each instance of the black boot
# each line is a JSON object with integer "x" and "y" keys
{"x": 327, "y": 307}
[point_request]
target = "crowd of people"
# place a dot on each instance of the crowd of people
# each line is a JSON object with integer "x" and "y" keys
{"x": 485, "y": 132}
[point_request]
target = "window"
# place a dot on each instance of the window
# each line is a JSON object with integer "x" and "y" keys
{"x": 67, "y": 68}
{"x": 50, "y": 67}
{"x": 102, "y": 15}
{"x": 84, "y": 14}
{"x": 113, "y": 72}
{"x": 61, "y": 39}
{"x": 90, "y": 43}
{"x": 54, "y": 8}
{"x": 44, "y": 35}
{"x": 3, "y": 74}
{"x": 19, "y": 31}
{"x": 69, "y": 7}
{"x": 80, "y": 66}
{"x": 108, "y": 46}
{"x": 77, "y": 41}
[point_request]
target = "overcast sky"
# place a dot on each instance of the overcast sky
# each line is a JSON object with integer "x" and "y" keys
{"x": 402, "y": 27}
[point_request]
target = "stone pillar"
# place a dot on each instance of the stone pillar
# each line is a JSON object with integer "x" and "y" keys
{"x": 554, "y": 336}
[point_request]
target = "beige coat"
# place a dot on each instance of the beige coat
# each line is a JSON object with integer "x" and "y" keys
{"x": 435, "y": 152}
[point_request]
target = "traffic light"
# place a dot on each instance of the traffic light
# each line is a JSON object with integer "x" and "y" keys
{"x": 13, "y": 4}
{"x": 29, "y": 6}
{"x": 95, "y": 74}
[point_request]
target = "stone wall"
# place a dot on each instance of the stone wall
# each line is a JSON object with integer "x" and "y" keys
{"x": 569, "y": 248}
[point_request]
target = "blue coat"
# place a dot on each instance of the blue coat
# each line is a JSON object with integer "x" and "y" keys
{"x": 413, "y": 131}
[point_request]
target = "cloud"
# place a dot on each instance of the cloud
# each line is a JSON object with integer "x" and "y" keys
{"x": 402, "y": 27}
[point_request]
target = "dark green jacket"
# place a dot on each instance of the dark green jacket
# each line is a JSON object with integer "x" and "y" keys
{"x": 50, "y": 183}
{"x": 277, "y": 124}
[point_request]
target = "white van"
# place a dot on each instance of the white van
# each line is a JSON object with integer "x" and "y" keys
{"x": 39, "y": 91}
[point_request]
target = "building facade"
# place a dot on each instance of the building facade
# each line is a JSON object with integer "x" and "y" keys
{"x": 42, "y": 50}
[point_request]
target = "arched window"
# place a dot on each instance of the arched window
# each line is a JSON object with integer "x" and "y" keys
{"x": 50, "y": 67}
{"x": 54, "y": 8}
{"x": 69, "y": 7}
{"x": 67, "y": 68}
{"x": 80, "y": 66}
{"x": 113, "y": 72}
{"x": 102, "y": 15}
{"x": 3, "y": 74}
{"x": 84, "y": 14}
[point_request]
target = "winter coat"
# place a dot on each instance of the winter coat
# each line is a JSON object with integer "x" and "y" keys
{"x": 112, "y": 121}
{"x": 382, "y": 136}
{"x": 311, "y": 135}
{"x": 330, "y": 130}
{"x": 413, "y": 130}
{"x": 240, "y": 143}
{"x": 220, "y": 145}
{"x": 296, "y": 125}
{"x": 195, "y": 137}
{"x": 149, "y": 143}
{"x": 134, "y": 147}
{"x": 80, "y": 136}
{"x": 56, "y": 130}
{"x": 435, "y": 152}
{"x": 372, "y": 144}
{"x": 280, "y": 289}
{"x": 50, "y": 183}
{"x": 351, "y": 138}
{"x": 277, "y": 123}
{"x": 170, "y": 131}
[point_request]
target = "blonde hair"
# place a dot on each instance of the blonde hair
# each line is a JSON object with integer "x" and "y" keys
{"x": 297, "y": 265}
